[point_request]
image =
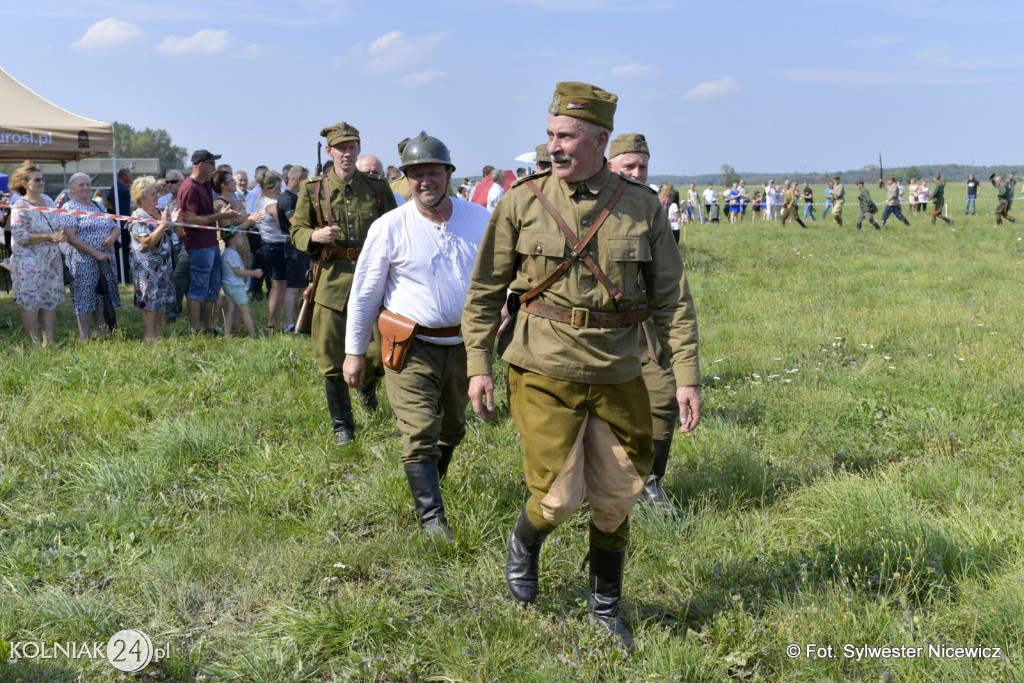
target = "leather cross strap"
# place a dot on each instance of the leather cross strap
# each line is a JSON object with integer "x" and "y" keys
{"x": 584, "y": 317}
{"x": 577, "y": 247}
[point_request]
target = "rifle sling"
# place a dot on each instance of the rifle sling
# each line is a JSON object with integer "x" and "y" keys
{"x": 577, "y": 248}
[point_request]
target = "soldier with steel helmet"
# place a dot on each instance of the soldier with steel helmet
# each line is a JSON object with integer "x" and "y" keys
{"x": 416, "y": 264}
{"x": 332, "y": 217}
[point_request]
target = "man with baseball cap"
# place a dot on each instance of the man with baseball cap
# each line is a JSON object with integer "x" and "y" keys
{"x": 416, "y": 263}
{"x": 195, "y": 203}
{"x": 332, "y": 217}
{"x": 573, "y": 245}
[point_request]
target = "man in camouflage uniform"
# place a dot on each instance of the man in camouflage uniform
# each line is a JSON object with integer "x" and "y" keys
{"x": 354, "y": 200}
{"x": 575, "y": 385}
{"x": 629, "y": 155}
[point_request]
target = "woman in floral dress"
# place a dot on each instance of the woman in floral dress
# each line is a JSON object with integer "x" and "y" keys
{"x": 36, "y": 263}
{"x": 93, "y": 240}
{"x": 150, "y": 257}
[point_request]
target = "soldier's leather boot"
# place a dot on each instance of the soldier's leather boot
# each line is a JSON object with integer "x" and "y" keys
{"x": 653, "y": 494}
{"x": 339, "y": 405}
{"x": 426, "y": 495}
{"x": 523, "y": 564}
{"x": 606, "y": 592}
{"x": 444, "y": 460}
{"x": 368, "y": 397}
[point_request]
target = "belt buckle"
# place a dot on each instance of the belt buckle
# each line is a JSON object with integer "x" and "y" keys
{"x": 586, "y": 317}
{"x": 348, "y": 254}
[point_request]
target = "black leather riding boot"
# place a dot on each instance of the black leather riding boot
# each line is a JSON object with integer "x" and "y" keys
{"x": 426, "y": 495}
{"x": 339, "y": 405}
{"x": 653, "y": 493}
{"x": 444, "y": 460}
{"x": 606, "y": 591}
{"x": 523, "y": 564}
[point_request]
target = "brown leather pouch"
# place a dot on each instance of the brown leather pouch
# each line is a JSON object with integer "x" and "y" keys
{"x": 396, "y": 335}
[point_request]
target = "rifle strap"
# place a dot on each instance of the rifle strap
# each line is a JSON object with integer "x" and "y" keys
{"x": 577, "y": 247}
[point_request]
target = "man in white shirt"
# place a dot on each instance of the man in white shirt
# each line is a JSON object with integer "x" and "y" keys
{"x": 497, "y": 190}
{"x": 416, "y": 262}
{"x": 709, "y": 198}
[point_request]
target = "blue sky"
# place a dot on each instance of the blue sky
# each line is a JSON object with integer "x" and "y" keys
{"x": 764, "y": 87}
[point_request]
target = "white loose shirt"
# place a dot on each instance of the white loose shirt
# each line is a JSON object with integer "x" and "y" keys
{"x": 415, "y": 268}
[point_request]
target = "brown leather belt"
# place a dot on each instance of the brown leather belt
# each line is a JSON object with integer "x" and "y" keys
{"x": 584, "y": 317}
{"x": 333, "y": 254}
{"x": 440, "y": 332}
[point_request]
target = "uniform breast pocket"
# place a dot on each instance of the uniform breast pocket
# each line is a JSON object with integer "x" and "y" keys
{"x": 540, "y": 253}
{"x": 628, "y": 254}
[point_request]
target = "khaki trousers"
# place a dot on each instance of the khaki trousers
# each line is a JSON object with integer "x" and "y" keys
{"x": 328, "y": 334}
{"x": 429, "y": 398}
{"x": 583, "y": 441}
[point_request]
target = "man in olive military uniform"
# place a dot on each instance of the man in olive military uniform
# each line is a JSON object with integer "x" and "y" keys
{"x": 349, "y": 202}
{"x": 939, "y": 200}
{"x": 630, "y": 155}
{"x": 838, "y": 199}
{"x": 1003, "y": 195}
{"x": 867, "y": 206}
{"x": 543, "y": 158}
{"x": 789, "y": 207}
{"x": 575, "y": 385}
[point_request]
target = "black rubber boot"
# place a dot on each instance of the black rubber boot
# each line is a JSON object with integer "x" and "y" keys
{"x": 606, "y": 592}
{"x": 653, "y": 494}
{"x": 368, "y": 397}
{"x": 339, "y": 405}
{"x": 426, "y": 495}
{"x": 523, "y": 564}
{"x": 444, "y": 460}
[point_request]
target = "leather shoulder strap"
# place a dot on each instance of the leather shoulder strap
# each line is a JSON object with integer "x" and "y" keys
{"x": 577, "y": 248}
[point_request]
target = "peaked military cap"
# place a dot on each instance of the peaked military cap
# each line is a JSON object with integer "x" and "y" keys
{"x": 628, "y": 142}
{"x": 542, "y": 154}
{"x": 584, "y": 101}
{"x": 339, "y": 133}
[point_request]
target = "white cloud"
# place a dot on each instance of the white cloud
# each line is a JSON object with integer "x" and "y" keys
{"x": 636, "y": 70}
{"x": 107, "y": 33}
{"x": 423, "y": 77}
{"x": 204, "y": 42}
{"x": 394, "y": 51}
{"x": 712, "y": 89}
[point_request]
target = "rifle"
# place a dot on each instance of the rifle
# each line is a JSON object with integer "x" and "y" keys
{"x": 319, "y": 159}
{"x": 881, "y": 173}
{"x": 304, "y": 323}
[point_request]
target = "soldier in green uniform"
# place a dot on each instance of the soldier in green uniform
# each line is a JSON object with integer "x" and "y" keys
{"x": 629, "y": 155}
{"x": 1003, "y": 195}
{"x": 543, "y": 158}
{"x": 867, "y": 206}
{"x": 353, "y": 200}
{"x": 575, "y": 385}
{"x": 939, "y": 200}
{"x": 789, "y": 205}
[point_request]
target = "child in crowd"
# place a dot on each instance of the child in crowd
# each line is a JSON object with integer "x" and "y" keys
{"x": 233, "y": 284}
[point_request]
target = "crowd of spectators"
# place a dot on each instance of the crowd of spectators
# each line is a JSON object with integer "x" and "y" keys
{"x": 53, "y": 255}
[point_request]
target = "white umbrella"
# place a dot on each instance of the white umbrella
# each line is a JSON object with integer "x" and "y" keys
{"x": 528, "y": 157}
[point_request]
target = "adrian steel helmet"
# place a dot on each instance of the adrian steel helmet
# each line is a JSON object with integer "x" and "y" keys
{"x": 425, "y": 149}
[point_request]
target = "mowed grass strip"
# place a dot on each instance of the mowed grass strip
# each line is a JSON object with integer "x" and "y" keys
{"x": 856, "y": 481}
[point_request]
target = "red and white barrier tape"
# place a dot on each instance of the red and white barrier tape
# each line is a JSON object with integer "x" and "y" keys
{"x": 116, "y": 217}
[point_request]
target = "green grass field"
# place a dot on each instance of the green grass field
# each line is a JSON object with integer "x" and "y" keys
{"x": 856, "y": 481}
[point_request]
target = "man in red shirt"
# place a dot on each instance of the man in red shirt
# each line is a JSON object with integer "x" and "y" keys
{"x": 195, "y": 201}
